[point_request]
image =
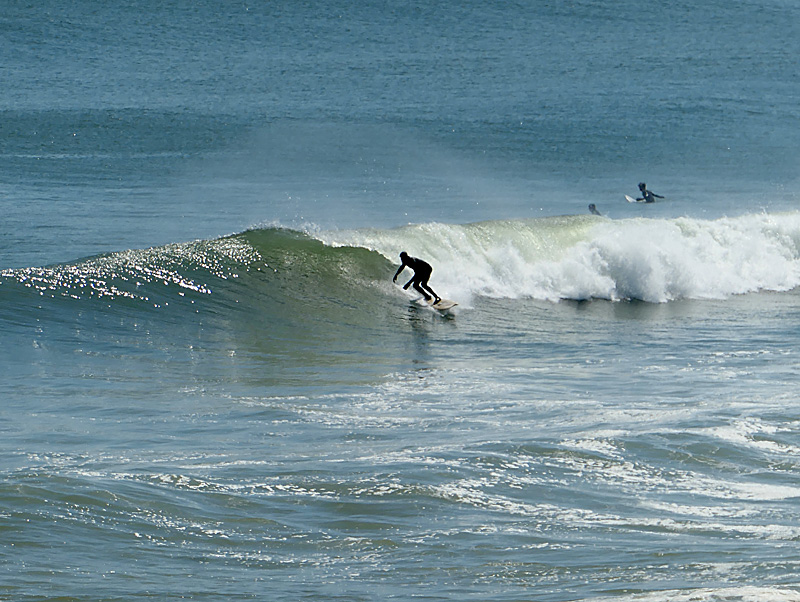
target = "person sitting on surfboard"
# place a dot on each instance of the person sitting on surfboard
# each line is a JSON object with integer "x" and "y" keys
{"x": 422, "y": 272}
{"x": 593, "y": 209}
{"x": 647, "y": 196}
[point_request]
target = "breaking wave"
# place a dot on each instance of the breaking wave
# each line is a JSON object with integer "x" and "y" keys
{"x": 571, "y": 257}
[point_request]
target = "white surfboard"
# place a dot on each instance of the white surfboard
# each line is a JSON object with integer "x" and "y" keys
{"x": 444, "y": 305}
{"x": 630, "y": 199}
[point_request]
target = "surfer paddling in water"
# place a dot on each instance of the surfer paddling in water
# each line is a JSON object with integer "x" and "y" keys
{"x": 422, "y": 272}
{"x": 648, "y": 196}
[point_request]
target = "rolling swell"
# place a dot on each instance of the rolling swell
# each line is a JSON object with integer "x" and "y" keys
{"x": 284, "y": 262}
{"x": 298, "y": 308}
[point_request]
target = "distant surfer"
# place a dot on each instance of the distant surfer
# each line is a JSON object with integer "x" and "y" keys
{"x": 593, "y": 209}
{"x": 647, "y": 195}
{"x": 422, "y": 272}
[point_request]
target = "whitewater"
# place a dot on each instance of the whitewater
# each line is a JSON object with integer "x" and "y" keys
{"x": 575, "y": 257}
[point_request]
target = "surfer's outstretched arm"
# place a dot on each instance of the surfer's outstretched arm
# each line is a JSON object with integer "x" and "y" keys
{"x": 404, "y": 261}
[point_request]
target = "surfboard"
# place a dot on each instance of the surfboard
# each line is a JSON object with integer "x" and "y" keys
{"x": 630, "y": 199}
{"x": 444, "y": 305}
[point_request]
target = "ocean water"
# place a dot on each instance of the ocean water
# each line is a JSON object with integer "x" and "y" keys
{"x": 211, "y": 389}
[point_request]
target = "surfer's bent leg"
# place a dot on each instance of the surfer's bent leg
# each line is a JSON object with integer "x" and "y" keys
{"x": 418, "y": 286}
{"x": 436, "y": 298}
{"x": 425, "y": 288}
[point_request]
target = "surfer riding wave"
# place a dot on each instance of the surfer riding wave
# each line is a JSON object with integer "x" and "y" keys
{"x": 422, "y": 273}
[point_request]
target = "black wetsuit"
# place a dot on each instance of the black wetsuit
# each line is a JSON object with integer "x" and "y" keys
{"x": 422, "y": 272}
{"x": 649, "y": 197}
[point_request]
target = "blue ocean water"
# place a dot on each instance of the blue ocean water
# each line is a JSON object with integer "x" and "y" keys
{"x": 213, "y": 391}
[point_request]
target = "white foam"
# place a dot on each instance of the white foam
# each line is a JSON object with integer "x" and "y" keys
{"x": 723, "y": 594}
{"x": 575, "y": 257}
